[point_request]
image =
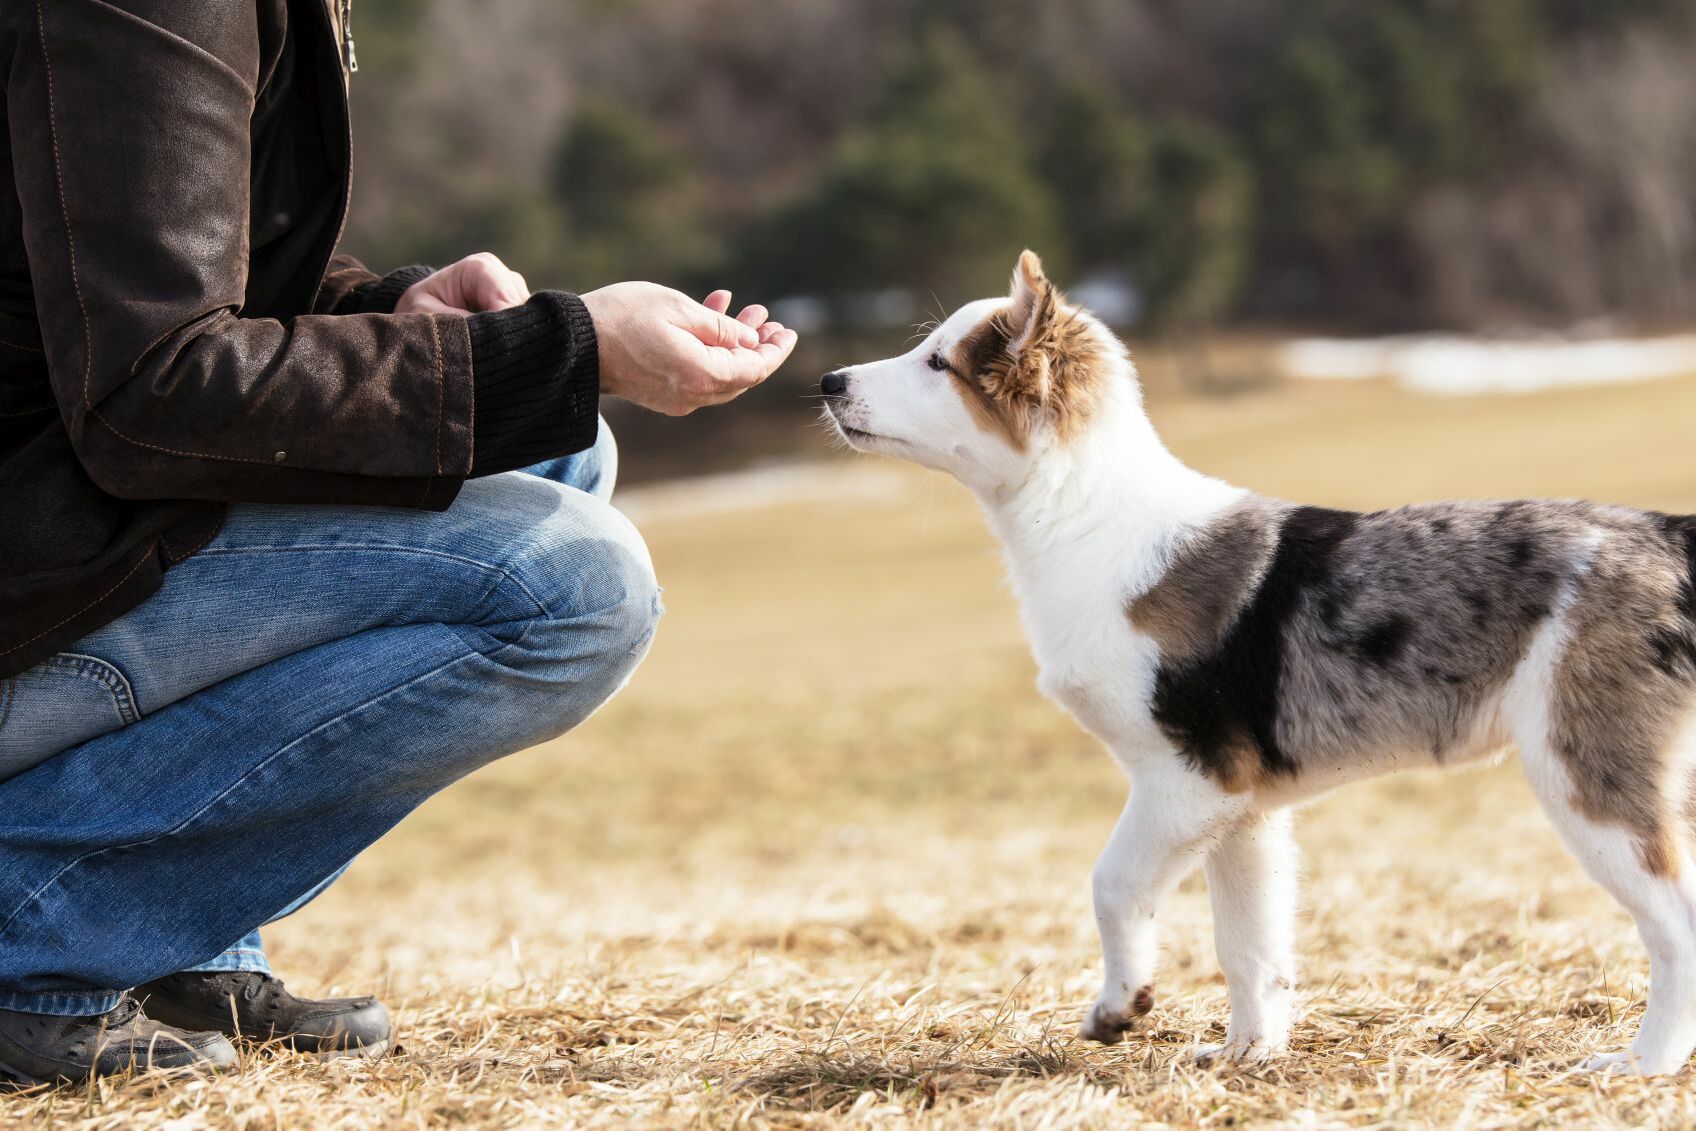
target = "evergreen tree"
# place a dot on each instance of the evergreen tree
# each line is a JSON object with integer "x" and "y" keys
{"x": 1194, "y": 253}
{"x": 1329, "y": 176}
{"x": 1095, "y": 158}
{"x": 628, "y": 199}
{"x": 934, "y": 191}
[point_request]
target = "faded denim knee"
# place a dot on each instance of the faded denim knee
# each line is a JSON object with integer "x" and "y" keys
{"x": 589, "y": 570}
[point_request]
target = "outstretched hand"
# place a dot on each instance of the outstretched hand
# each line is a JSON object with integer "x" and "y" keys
{"x": 667, "y": 352}
{"x": 658, "y": 347}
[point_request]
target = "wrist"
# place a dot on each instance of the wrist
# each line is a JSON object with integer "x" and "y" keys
{"x": 382, "y": 295}
{"x": 534, "y": 373}
{"x": 605, "y": 330}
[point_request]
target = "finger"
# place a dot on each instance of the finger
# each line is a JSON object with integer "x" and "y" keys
{"x": 494, "y": 287}
{"x": 776, "y": 351}
{"x": 754, "y": 315}
{"x": 769, "y": 330}
{"x": 718, "y": 302}
{"x": 716, "y": 329}
{"x": 745, "y": 368}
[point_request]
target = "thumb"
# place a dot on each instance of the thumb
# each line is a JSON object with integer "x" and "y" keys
{"x": 715, "y": 329}
{"x": 496, "y": 289}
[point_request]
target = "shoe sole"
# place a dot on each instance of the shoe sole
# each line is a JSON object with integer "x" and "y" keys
{"x": 14, "y": 1080}
{"x": 11, "y": 1080}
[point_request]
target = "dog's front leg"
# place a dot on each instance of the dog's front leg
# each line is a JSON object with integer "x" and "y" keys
{"x": 1251, "y": 879}
{"x": 1172, "y": 817}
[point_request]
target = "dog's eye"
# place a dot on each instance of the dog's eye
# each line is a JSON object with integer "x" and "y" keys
{"x": 937, "y": 362}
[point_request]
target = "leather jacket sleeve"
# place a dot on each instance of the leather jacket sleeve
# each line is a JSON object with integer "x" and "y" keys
{"x": 349, "y": 288}
{"x": 344, "y": 276}
{"x": 129, "y": 135}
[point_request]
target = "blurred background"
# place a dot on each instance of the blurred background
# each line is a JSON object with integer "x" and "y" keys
{"x": 1215, "y": 178}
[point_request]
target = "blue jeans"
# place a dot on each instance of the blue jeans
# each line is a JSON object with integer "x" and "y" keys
{"x": 211, "y": 760}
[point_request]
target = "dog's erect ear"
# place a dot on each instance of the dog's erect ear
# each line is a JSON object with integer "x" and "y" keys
{"x": 1034, "y": 301}
{"x": 1035, "y": 305}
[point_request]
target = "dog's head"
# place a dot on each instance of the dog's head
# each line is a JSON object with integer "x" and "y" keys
{"x": 997, "y": 386}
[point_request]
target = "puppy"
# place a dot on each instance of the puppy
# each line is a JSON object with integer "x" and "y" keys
{"x": 1238, "y": 654}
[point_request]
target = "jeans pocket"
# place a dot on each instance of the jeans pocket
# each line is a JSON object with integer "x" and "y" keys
{"x": 62, "y": 701}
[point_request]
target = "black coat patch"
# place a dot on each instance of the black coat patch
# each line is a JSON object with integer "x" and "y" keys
{"x": 1213, "y": 706}
{"x": 1682, "y": 528}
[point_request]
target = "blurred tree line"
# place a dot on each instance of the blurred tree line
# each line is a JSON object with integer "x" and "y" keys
{"x": 1384, "y": 165}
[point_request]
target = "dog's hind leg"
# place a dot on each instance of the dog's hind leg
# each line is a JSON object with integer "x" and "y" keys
{"x": 1172, "y": 818}
{"x": 1654, "y": 882}
{"x": 1251, "y": 879}
{"x": 1608, "y": 755}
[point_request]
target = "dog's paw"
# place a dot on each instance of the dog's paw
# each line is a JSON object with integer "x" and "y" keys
{"x": 1237, "y": 1051}
{"x": 1108, "y": 1024}
{"x": 1608, "y": 1064}
{"x": 1628, "y": 1064}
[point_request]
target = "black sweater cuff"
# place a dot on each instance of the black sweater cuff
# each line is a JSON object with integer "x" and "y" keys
{"x": 537, "y": 380}
{"x": 380, "y": 295}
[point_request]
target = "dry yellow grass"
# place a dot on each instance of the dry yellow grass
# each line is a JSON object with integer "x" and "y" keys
{"x": 825, "y": 864}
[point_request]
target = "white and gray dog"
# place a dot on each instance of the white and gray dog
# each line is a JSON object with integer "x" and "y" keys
{"x": 1238, "y": 654}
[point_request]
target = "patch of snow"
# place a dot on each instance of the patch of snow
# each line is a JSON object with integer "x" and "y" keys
{"x": 1452, "y": 366}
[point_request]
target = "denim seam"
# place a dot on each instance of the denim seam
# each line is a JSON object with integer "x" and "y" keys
{"x": 523, "y": 635}
{"x": 500, "y": 571}
{"x": 103, "y": 672}
{"x": 35, "y": 895}
{"x": 62, "y": 1003}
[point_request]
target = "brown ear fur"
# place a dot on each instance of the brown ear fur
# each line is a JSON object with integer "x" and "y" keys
{"x": 1034, "y": 357}
{"x": 1054, "y": 359}
{"x": 1030, "y": 321}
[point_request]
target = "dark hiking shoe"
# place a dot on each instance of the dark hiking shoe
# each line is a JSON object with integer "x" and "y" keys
{"x": 245, "y": 1003}
{"x": 36, "y": 1048}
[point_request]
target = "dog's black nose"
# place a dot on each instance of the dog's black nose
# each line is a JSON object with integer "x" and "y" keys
{"x": 833, "y": 384}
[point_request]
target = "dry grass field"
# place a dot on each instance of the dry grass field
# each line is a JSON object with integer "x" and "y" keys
{"x": 826, "y": 862}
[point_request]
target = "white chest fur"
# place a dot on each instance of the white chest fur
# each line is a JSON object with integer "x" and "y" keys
{"x": 1092, "y": 528}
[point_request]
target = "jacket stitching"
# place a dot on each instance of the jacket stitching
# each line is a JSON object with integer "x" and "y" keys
{"x": 21, "y": 346}
{"x": 76, "y": 282}
{"x": 436, "y": 344}
{"x": 470, "y": 354}
{"x": 71, "y": 249}
{"x": 436, "y": 341}
{"x": 230, "y": 72}
{"x": 64, "y": 206}
{"x": 146, "y": 554}
{"x": 30, "y": 411}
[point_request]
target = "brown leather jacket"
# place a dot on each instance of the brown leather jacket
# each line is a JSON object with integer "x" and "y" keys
{"x": 174, "y": 333}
